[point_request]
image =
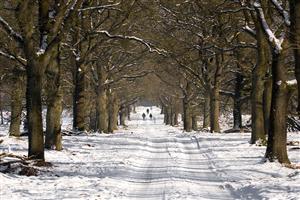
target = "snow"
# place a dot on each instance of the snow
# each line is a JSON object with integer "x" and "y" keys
{"x": 272, "y": 38}
{"x": 148, "y": 160}
{"x": 292, "y": 82}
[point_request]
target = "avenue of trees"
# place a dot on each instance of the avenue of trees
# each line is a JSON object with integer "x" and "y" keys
{"x": 195, "y": 59}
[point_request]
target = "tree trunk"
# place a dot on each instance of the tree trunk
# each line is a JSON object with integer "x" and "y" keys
{"x": 206, "y": 109}
{"x": 16, "y": 107}
{"x": 53, "y": 137}
{"x": 34, "y": 111}
{"x": 215, "y": 98}
{"x": 169, "y": 110}
{"x": 194, "y": 123}
{"x": 176, "y": 118}
{"x": 79, "y": 98}
{"x": 122, "y": 116}
{"x": 237, "y": 104}
{"x": 277, "y": 135}
{"x": 187, "y": 112}
{"x": 128, "y": 113}
{"x": 295, "y": 41}
{"x": 215, "y": 111}
{"x": 187, "y": 115}
{"x": 113, "y": 109}
{"x": 258, "y": 76}
{"x": 102, "y": 112}
{"x": 1, "y": 109}
{"x": 267, "y": 103}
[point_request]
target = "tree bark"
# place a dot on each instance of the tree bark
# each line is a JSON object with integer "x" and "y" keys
{"x": 79, "y": 98}
{"x": 34, "y": 112}
{"x": 295, "y": 41}
{"x": 101, "y": 101}
{"x": 187, "y": 112}
{"x": 16, "y": 107}
{"x": 215, "y": 98}
{"x": 258, "y": 76}
{"x": 53, "y": 137}
{"x": 194, "y": 123}
{"x": 122, "y": 116}
{"x": 277, "y": 135}
{"x": 237, "y": 104}
{"x": 206, "y": 109}
{"x": 113, "y": 109}
{"x": 267, "y": 103}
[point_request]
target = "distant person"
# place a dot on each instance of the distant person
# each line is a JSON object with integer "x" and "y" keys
{"x": 150, "y": 116}
{"x": 147, "y": 110}
{"x": 144, "y": 116}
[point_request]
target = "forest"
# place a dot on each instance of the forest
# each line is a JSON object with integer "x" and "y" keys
{"x": 199, "y": 61}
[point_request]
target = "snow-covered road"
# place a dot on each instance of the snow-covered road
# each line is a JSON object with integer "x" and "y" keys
{"x": 163, "y": 165}
{"x": 148, "y": 160}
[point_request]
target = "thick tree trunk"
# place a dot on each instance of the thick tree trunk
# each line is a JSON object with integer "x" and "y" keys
{"x": 79, "y": 99}
{"x": 101, "y": 101}
{"x": 277, "y": 135}
{"x": 237, "y": 104}
{"x": 53, "y": 137}
{"x": 206, "y": 109}
{"x": 258, "y": 76}
{"x": 34, "y": 112}
{"x": 295, "y": 40}
{"x": 16, "y": 107}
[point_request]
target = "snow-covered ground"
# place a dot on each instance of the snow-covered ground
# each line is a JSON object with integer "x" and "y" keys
{"x": 148, "y": 160}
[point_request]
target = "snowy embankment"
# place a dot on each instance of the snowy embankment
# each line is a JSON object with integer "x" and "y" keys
{"x": 148, "y": 160}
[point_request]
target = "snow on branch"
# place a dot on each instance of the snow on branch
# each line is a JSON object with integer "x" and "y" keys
{"x": 137, "y": 39}
{"x": 271, "y": 36}
{"x": 10, "y": 31}
{"x": 292, "y": 82}
{"x": 19, "y": 59}
{"x": 249, "y": 30}
{"x": 282, "y": 12}
{"x": 110, "y": 6}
